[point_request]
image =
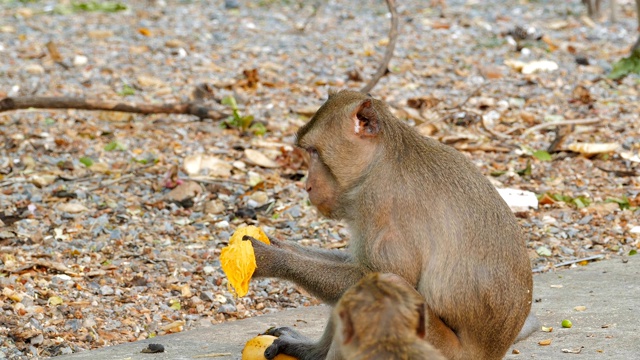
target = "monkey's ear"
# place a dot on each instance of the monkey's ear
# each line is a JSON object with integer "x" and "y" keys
{"x": 422, "y": 326}
{"x": 347, "y": 327}
{"x": 333, "y": 91}
{"x": 365, "y": 120}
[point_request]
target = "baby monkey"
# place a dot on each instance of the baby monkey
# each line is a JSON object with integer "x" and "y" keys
{"x": 382, "y": 318}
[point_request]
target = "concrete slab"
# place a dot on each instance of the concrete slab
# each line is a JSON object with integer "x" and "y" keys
{"x": 607, "y": 329}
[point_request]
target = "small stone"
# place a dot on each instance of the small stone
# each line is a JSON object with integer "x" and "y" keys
{"x": 34, "y": 69}
{"x": 239, "y": 165}
{"x": 206, "y": 296}
{"x": 222, "y": 224}
{"x": 80, "y": 60}
{"x": 106, "y": 290}
{"x": 227, "y": 309}
{"x": 100, "y": 34}
{"x": 173, "y": 43}
{"x": 209, "y": 269}
{"x": 231, "y": 4}
{"x": 214, "y": 207}
{"x": 260, "y": 198}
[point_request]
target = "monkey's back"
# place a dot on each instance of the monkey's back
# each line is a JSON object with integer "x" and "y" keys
{"x": 468, "y": 238}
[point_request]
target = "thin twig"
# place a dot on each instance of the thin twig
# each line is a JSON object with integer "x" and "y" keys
{"x": 110, "y": 182}
{"x": 123, "y": 176}
{"x": 491, "y": 131}
{"x": 393, "y": 36}
{"x": 571, "y": 262}
{"x": 215, "y": 181}
{"x": 559, "y": 123}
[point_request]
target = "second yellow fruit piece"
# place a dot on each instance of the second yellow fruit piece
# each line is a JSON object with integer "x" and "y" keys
{"x": 254, "y": 349}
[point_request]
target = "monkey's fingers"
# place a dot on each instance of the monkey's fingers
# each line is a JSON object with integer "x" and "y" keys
{"x": 269, "y": 331}
{"x": 285, "y": 331}
{"x": 253, "y": 240}
{"x": 273, "y": 350}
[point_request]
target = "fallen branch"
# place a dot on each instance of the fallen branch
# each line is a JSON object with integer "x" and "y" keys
{"x": 129, "y": 174}
{"x": 475, "y": 92}
{"x": 559, "y": 123}
{"x": 393, "y": 36}
{"x": 44, "y": 102}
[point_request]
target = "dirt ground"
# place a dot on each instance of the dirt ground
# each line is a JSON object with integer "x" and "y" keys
{"x": 112, "y": 223}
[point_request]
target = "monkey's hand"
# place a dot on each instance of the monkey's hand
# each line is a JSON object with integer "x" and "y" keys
{"x": 268, "y": 257}
{"x": 290, "y": 342}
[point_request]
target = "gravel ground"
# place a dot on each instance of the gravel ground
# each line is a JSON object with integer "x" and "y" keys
{"x": 127, "y": 248}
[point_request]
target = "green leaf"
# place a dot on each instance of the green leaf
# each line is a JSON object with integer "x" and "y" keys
{"x": 114, "y": 145}
{"x": 86, "y": 161}
{"x": 626, "y": 66}
{"x": 230, "y": 101}
{"x": 497, "y": 173}
{"x": 245, "y": 121}
{"x": 175, "y": 304}
{"x": 127, "y": 90}
{"x": 633, "y": 252}
{"x": 55, "y": 300}
{"x": 49, "y": 121}
{"x": 110, "y": 146}
{"x": 622, "y": 202}
{"x": 581, "y": 201}
{"x": 542, "y": 155}
{"x": 526, "y": 171}
{"x": 103, "y": 6}
{"x": 258, "y": 129}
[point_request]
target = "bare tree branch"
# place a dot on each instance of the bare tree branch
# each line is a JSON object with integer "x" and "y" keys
{"x": 43, "y": 102}
{"x": 393, "y": 36}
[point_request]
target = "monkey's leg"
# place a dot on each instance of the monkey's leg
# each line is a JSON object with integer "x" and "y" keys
{"x": 327, "y": 279}
{"x": 291, "y": 342}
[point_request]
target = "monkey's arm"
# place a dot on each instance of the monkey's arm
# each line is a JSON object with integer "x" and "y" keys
{"x": 319, "y": 253}
{"x": 325, "y": 278}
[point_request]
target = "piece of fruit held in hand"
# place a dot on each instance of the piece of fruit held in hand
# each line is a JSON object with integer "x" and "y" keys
{"x": 238, "y": 260}
{"x": 254, "y": 349}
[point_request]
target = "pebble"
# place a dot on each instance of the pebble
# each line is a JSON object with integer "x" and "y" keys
{"x": 80, "y": 60}
{"x": 34, "y": 69}
{"x": 227, "y": 309}
{"x": 106, "y": 290}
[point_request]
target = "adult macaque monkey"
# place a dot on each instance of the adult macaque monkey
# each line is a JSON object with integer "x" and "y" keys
{"x": 382, "y": 318}
{"x": 415, "y": 208}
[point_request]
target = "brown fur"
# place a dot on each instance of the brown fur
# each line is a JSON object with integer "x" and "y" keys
{"x": 382, "y": 318}
{"x": 415, "y": 208}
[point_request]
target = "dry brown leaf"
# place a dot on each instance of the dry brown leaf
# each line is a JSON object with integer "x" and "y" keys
{"x": 254, "y": 157}
{"x": 544, "y": 342}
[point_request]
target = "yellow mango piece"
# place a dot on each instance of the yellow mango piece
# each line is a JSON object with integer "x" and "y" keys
{"x": 254, "y": 348}
{"x": 238, "y": 259}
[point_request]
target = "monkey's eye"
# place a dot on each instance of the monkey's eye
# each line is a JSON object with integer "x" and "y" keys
{"x": 312, "y": 151}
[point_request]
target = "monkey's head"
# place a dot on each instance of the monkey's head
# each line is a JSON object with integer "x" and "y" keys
{"x": 380, "y": 307}
{"x": 342, "y": 140}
